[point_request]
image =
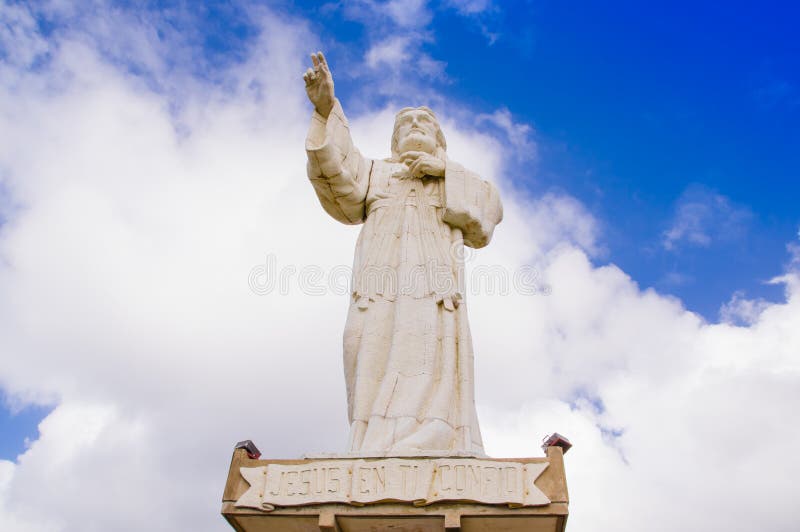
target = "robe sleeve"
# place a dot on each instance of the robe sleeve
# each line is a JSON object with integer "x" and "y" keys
{"x": 336, "y": 169}
{"x": 470, "y": 204}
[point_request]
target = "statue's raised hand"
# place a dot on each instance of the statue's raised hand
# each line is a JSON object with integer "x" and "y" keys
{"x": 319, "y": 84}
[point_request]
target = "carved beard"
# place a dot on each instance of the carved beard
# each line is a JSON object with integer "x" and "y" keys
{"x": 417, "y": 141}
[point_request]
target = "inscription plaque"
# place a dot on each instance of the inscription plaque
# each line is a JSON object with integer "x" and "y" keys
{"x": 418, "y": 481}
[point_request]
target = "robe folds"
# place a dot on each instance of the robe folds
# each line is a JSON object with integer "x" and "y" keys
{"x": 408, "y": 356}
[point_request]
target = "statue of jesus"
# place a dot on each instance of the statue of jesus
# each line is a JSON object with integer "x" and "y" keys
{"x": 408, "y": 357}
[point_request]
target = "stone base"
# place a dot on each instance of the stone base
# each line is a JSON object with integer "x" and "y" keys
{"x": 535, "y": 491}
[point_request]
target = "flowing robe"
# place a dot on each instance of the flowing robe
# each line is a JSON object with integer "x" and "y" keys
{"x": 408, "y": 356}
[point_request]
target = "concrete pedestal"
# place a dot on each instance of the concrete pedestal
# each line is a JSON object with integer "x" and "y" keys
{"x": 539, "y": 506}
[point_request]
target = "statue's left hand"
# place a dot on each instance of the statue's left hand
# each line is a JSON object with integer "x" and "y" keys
{"x": 421, "y": 164}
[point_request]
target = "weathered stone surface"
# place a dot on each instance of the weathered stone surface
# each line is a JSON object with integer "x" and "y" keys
{"x": 419, "y": 481}
{"x": 412, "y": 494}
{"x": 408, "y": 356}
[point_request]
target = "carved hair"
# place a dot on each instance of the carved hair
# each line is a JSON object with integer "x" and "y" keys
{"x": 441, "y": 143}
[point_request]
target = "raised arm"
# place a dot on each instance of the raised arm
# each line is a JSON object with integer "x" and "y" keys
{"x": 336, "y": 169}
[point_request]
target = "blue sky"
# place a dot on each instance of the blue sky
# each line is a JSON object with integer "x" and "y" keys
{"x": 651, "y": 115}
{"x": 646, "y": 113}
{"x": 634, "y": 105}
{"x": 16, "y": 424}
{"x": 653, "y": 148}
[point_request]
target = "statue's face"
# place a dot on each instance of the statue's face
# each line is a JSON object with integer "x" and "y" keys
{"x": 416, "y": 131}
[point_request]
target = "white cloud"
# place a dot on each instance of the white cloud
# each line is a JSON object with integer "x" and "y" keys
{"x": 674, "y": 278}
{"x": 392, "y": 52}
{"x": 397, "y": 32}
{"x": 396, "y": 62}
{"x": 20, "y": 43}
{"x": 408, "y": 13}
{"x": 793, "y": 248}
{"x": 470, "y": 7}
{"x": 476, "y": 11}
{"x": 702, "y": 217}
{"x": 689, "y": 401}
{"x": 431, "y": 68}
{"x": 518, "y": 134}
{"x": 123, "y": 273}
{"x": 742, "y": 311}
{"x": 405, "y": 14}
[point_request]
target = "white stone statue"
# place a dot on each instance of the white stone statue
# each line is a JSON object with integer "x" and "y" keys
{"x": 408, "y": 355}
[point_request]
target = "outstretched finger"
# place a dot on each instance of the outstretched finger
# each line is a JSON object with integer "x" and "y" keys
{"x": 314, "y": 60}
{"x": 322, "y": 60}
